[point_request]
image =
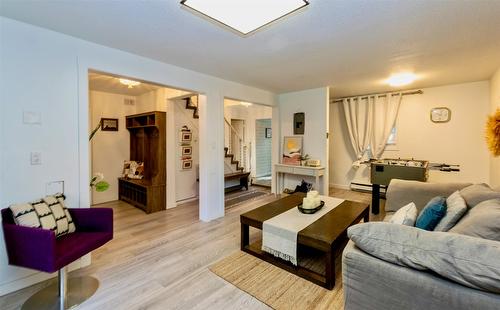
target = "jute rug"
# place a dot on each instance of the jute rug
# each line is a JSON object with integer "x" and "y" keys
{"x": 276, "y": 287}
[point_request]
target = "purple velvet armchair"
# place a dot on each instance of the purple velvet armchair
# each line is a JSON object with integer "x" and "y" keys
{"x": 39, "y": 249}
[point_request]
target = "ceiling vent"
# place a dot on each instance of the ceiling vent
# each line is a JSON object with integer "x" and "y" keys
{"x": 129, "y": 101}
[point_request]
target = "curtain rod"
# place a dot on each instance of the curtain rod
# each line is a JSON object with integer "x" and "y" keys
{"x": 415, "y": 92}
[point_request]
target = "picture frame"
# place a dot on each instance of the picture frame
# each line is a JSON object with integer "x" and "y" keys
{"x": 187, "y": 150}
{"x": 187, "y": 164}
{"x": 186, "y": 136}
{"x": 269, "y": 133}
{"x": 292, "y": 150}
{"x": 109, "y": 124}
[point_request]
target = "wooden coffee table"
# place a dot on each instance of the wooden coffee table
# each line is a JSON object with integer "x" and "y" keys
{"x": 323, "y": 240}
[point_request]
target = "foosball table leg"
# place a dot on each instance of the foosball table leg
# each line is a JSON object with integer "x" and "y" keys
{"x": 375, "y": 198}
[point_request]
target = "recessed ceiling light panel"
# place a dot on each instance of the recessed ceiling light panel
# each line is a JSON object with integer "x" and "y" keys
{"x": 245, "y": 16}
{"x": 401, "y": 79}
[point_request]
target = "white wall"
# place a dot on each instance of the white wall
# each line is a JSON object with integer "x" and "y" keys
{"x": 249, "y": 114}
{"x": 46, "y": 72}
{"x": 495, "y": 104}
{"x": 460, "y": 141}
{"x": 110, "y": 148}
{"x": 314, "y": 103}
{"x": 186, "y": 186}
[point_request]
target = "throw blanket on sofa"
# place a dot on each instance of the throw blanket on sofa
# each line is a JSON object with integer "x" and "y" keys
{"x": 279, "y": 234}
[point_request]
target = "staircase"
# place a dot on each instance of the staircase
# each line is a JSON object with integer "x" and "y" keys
{"x": 192, "y": 106}
{"x": 232, "y": 161}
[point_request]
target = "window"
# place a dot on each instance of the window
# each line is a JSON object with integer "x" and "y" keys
{"x": 392, "y": 137}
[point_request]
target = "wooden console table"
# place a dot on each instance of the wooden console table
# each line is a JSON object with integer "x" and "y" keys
{"x": 280, "y": 170}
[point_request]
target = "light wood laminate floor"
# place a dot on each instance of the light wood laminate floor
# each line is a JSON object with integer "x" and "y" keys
{"x": 161, "y": 260}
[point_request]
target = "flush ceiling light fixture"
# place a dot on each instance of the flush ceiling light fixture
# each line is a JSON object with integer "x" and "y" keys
{"x": 401, "y": 79}
{"x": 129, "y": 83}
{"x": 245, "y": 16}
{"x": 245, "y": 104}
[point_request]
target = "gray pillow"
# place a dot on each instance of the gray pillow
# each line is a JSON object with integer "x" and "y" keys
{"x": 455, "y": 209}
{"x": 482, "y": 221}
{"x": 467, "y": 260}
{"x": 477, "y": 193}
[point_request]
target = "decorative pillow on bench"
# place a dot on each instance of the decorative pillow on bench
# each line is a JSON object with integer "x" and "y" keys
{"x": 467, "y": 260}
{"x": 48, "y": 213}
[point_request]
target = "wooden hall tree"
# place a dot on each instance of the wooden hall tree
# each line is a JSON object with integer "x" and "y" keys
{"x": 148, "y": 145}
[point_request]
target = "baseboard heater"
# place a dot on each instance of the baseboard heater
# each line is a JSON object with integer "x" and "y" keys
{"x": 367, "y": 188}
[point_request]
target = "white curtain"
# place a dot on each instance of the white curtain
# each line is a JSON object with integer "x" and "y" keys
{"x": 359, "y": 116}
{"x": 385, "y": 114}
{"x": 369, "y": 123}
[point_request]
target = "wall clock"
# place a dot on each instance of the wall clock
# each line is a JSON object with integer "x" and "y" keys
{"x": 440, "y": 115}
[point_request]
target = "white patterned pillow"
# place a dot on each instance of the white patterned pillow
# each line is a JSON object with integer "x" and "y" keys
{"x": 59, "y": 215}
{"x": 71, "y": 225}
{"x": 407, "y": 215}
{"x": 37, "y": 214}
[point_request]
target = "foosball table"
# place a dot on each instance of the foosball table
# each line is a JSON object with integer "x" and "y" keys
{"x": 384, "y": 170}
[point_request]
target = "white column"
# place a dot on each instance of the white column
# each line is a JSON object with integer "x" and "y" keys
{"x": 211, "y": 109}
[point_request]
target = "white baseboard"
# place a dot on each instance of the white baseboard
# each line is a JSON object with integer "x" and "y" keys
{"x": 37, "y": 277}
{"x": 341, "y": 186}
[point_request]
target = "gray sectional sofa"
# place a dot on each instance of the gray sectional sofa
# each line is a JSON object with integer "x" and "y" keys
{"x": 373, "y": 283}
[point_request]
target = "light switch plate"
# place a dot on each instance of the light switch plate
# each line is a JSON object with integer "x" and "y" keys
{"x": 36, "y": 158}
{"x": 31, "y": 117}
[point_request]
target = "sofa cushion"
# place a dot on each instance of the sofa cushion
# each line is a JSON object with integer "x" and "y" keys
{"x": 407, "y": 215}
{"x": 401, "y": 192}
{"x": 481, "y": 221}
{"x": 467, "y": 260}
{"x": 455, "y": 209}
{"x": 477, "y": 193}
{"x": 433, "y": 212}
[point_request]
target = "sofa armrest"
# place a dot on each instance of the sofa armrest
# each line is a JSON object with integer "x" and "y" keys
{"x": 402, "y": 192}
{"x": 93, "y": 219}
{"x": 29, "y": 247}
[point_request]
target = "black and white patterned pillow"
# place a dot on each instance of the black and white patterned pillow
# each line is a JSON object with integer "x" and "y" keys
{"x": 71, "y": 225}
{"x": 36, "y": 214}
{"x": 58, "y": 214}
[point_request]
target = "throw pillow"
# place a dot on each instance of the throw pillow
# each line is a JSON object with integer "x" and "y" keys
{"x": 407, "y": 215}
{"x": 59, "y": 215}
{"x": 36, "y": 214}
{"x": 467, "y": 260}
{"x": 432, "y": 213}
{"x": 477, "y": 193}
{"x": 62, "y": 200}
{"x": 455, "y": 209}
{"x": 482, "y": 221}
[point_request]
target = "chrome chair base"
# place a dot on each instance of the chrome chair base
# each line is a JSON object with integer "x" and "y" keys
{"x": 78, "y": 290}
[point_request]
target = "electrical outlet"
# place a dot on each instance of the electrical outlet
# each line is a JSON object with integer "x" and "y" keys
{"x": 30, "y": 117}
{"x": 36, "y": 158}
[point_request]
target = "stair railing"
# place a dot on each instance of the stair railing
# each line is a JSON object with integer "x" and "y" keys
{"x": 241, "y": 147}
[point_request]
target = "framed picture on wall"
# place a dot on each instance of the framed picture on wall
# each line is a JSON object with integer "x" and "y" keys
{"x": 269, "y": 133}
{"x": 187, "y": 150}
{"x": 109, "y": 124}
{"x": 186, "y": 136}
{"x": 187, "y": 164}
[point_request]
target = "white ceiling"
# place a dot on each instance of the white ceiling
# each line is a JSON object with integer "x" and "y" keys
{"x": 351, "y": 45}
{"x": 111, "y": 84}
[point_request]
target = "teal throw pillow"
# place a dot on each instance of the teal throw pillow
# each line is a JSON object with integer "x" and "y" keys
{"x": 433, "y": 212}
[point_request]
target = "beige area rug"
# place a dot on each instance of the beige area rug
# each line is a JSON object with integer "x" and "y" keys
{"x": 276, "y": 287}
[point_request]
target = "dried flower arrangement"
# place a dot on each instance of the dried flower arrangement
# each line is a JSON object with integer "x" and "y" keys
{"x": 493, "y": 133}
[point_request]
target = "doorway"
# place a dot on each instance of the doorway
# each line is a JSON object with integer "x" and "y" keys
{"x": 130, "y": 134}
{"x": 263, "y": 152}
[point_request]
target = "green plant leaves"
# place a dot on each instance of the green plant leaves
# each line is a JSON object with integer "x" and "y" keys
{"x": 101, "y": 186}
